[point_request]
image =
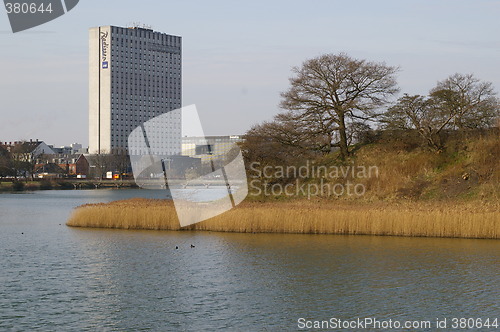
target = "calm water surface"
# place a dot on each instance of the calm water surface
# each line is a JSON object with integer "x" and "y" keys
{"x": 54, "y": 277}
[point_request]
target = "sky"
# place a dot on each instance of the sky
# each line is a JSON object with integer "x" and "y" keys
{"x": 238, "y": 55}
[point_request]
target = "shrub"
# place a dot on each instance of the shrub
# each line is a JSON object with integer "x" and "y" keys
{"x": 45, "y": 185}
{"x": 64, "y": 185}
{"x": 18, "y": 186}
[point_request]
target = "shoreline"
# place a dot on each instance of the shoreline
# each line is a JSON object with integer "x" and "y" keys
{"x": 63, "y": 184}
{"x": 413, "y": 219}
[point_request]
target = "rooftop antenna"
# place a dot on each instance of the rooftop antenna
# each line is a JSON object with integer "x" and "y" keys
{"x": 140, "y": 25}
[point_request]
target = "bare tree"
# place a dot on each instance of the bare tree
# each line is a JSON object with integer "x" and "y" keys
{"x": 268, "y": 145}
{"x": 418, "y": 113}
{"x": 23, "y": 160}
{"x": 460, "y": 102}
{"x": 5, "y": 163}
{"x": 294, "y": 133}
{"x": 330, "y": 92}
{"x": 470, "y": 102}
{"x": 120, "y": 161}
{"x": 100, "y": 164}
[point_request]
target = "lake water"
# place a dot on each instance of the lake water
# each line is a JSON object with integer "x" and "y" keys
{"x": 54, "y": 277}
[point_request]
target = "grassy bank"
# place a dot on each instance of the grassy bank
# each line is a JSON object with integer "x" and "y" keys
{"x": 469, "y": 220}
{"x": 34, "y": 185}
{"x": 467, "y": 169}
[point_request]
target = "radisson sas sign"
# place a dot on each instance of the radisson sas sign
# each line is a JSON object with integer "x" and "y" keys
{"x": 104, "y": 50}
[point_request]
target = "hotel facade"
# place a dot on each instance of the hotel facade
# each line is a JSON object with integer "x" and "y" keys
{"x": 135, "y": 75}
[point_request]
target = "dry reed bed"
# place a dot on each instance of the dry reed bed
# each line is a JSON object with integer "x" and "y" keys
{"x": 408, "y": 219}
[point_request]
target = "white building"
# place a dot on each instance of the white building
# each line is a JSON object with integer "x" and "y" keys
{"x": 134, "y": 76}
{"x": 209, "y": 147}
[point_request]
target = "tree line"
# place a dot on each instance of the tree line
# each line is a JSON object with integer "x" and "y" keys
{"x": 334, "y": 99}
{"x": 20, "y": 162}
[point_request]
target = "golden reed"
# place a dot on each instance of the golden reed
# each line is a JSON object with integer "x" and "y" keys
{"x": 321, "y": 217}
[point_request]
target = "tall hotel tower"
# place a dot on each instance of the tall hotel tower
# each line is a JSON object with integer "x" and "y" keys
{"x": 134, "y": 76}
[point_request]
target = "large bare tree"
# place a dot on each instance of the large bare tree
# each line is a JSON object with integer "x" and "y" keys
{"x": 333, "y": 91}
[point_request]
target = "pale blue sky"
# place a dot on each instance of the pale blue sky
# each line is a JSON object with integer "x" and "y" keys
{"x": 237, "y": 55}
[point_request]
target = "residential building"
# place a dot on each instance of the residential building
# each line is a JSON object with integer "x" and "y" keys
{"x": 28, "y": 151}
{"x": 69, "y": 165}
{"x": 74, "y": 148}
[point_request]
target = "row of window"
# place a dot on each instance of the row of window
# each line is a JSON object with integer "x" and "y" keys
{"x": 161, "y": 67}
{"x": 167, "y": 53}
{"x": 141, "y": 57}
{"x": 125, "y": 120}
{"x": 116, "y": 112}
{"x": 146, "y": 81}
{"x": 175, "y": 46}
{"x": 139, "y": 91}
{"x": 129, "y": 92}
{"x": 135, "y": 120}
{"x": 145, "y": 64}
{"x": 161, "y": 107}
{"x": 136, "y": 69}
{"x": 148, "y": 100}
{"x": 149, "y": 75}
{"x": 165, "y": 87}
{"x": 161, "y": 86}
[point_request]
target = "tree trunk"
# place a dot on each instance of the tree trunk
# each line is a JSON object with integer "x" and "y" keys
{"x": 344, "y": 149}
{"x": 429, "y": 137}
